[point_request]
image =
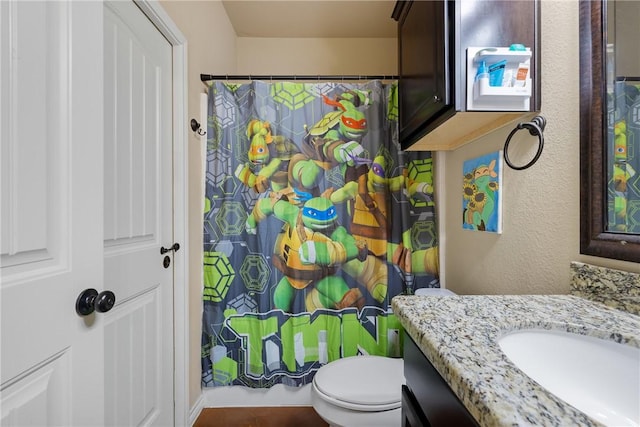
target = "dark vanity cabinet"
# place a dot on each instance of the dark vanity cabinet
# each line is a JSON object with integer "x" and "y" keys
{"x": 427, "y": 399}
{"x": 435, "y": 72}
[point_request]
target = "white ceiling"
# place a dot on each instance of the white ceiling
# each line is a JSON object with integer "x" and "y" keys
{"x": 311, "y": 18}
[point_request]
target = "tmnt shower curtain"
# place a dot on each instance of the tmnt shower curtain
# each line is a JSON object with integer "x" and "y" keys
{"x": 623, "y": 154}
{"x": 314, "y": 219}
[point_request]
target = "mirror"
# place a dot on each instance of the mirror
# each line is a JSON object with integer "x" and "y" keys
{"x": 609, "y": 129}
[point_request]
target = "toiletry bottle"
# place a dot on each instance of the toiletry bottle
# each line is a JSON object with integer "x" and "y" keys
{"x": 521, "y": 75}
{"x": 507, "y": 78}
{"x": 483, "y": 72}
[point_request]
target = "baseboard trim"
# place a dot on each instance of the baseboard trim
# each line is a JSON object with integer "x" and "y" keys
{"x": 278, "y": 395}
{"x": 195, "y": 411}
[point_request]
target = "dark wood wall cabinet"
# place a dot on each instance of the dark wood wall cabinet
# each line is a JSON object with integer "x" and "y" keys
{"x": 427, "y": 399}
{"x": 441, "y": 46}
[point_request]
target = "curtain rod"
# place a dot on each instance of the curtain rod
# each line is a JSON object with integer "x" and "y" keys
{"x": 207, "y": 77}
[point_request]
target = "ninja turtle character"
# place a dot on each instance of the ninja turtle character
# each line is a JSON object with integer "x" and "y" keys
{"x": 335, "y": 140}
{"x": 309, "y": 251}
{"x": 366, "y": 193}
{"x": 366, "y": 190}
{"x": 622, "y": 174}
{"x": 270, "y": 155}
{"x": 273, "y": 157}
{"x": 332, "y": 141}
{"x": 622, "y": 170}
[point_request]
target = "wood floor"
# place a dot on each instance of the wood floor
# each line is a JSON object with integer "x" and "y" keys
{"x": 290, "y": 416}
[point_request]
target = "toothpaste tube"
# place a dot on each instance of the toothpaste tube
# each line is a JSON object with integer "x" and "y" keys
{"x": 496, "y": 71}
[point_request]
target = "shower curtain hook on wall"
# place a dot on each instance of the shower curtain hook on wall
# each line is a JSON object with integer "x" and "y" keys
{"x": 195, "y": 126}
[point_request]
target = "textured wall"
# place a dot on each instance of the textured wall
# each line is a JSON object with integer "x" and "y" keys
{"x": 362, "y": 56}
{"x": 541, "y": 217}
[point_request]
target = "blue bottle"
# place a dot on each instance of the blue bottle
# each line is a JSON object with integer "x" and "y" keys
{"x": 483, "y": 72}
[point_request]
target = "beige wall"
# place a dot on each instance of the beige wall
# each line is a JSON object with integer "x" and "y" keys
{"x": 332, "y": 56}
{"x": 541, "y": 228}
{"x": 211, "y": 47}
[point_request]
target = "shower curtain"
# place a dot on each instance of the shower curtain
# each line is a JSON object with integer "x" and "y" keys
{"x": 314, "y": 219}
{"x": 623, "y": 157}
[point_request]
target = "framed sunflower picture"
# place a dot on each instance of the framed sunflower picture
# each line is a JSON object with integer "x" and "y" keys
{"x": 481, "y": 193}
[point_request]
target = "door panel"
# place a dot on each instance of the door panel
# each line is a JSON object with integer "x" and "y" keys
{"x": 138, "y": 219}
{"x": 132, "y": 393}
{"x": 51, "y": 249}
{"x": 32, "y": 135}
{"x": 133, "y": 79}
{"x": 24, "y": 168}
{"x": 40, "y": 397}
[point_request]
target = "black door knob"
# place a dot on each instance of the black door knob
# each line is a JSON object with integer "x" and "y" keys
{"x": 105, "y": 301}
{"x": 90, "y": 300}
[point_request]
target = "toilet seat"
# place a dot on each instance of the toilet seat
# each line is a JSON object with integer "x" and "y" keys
{"x": 361, "y": 383}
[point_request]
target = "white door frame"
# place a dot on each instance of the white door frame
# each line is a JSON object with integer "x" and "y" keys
{"x": 178, "y": 41}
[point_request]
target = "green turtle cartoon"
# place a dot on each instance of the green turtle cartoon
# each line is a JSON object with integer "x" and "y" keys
{"x": 366, "y": 191}
{"x": 336, "y": 138}
{"x": 276, "y": 164}
{"x": 308, "y": 251}
{"x": 269, "y": 155}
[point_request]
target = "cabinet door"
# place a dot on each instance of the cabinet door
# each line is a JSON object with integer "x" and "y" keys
{"x": 425, "y": 83}
{"x": 499, "y": 23}
{"x": 412, "y": 416}
{"x": 438, "y": 403}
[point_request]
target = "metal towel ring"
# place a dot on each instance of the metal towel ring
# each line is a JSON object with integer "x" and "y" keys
{"x": 535, "y": 127}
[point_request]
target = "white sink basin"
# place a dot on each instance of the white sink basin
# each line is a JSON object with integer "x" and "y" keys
{"x": 598, "y": 377}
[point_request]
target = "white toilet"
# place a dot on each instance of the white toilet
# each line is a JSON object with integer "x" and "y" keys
{"x": 362, "y": 391}
{"x": 359, "y": 391}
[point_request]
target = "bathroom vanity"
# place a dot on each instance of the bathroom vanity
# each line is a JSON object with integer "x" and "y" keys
{"x": 455, "y": 340}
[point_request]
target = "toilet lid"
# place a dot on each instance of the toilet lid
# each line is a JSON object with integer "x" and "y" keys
{"x": 362, "y": 382}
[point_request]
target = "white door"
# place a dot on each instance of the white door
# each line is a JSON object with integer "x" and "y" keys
{"x": 85, "y": 203}
{"x": 138, "y": 217}
{"x": 51, "y": 212}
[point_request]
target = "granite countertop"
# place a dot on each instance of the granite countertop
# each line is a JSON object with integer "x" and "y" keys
{"x": 614, "y": 288}
{"x": 459, "y": 335}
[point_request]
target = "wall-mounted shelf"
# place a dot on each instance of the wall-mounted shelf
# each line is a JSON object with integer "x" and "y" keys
{"x": 483, "y": 97}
